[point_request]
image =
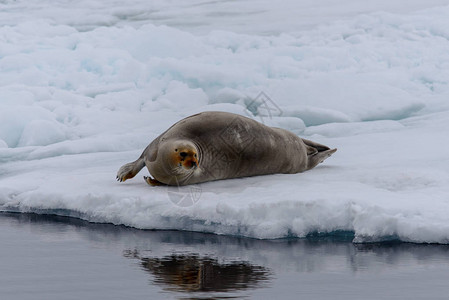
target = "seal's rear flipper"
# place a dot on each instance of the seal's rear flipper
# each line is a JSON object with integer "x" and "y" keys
{"x": 319, "y": 157}
{"x": 317, "y": 153}
{"x": 318, "y": 147}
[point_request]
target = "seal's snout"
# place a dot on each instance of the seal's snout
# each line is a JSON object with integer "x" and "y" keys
{"x": 190, "y": 164}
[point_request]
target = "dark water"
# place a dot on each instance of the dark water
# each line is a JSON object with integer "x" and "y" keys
{"x": 49, "y": 257}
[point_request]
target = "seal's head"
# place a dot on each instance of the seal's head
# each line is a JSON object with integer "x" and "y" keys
{"x": 184, "y": 156}
{"x": 177, "y": 161}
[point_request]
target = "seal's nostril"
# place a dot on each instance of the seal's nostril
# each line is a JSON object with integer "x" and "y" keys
{"x": 183, "y": 154}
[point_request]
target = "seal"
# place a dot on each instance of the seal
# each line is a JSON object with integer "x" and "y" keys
{"x": 219, "y": 145}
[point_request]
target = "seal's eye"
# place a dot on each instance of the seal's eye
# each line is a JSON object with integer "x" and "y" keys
{"x": 183, "y": 154}
{"x": 176, "y": 150}
{"x": 194, "y": 155}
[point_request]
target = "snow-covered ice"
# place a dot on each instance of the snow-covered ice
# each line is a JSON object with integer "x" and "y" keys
{"x": 86, "y": 85}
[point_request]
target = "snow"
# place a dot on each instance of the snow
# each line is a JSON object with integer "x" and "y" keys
{"x": 86, "y": 85}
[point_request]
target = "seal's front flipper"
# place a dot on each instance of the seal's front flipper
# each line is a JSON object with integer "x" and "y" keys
{"x": 152, "y": 182}
{"x": 130, "y": 170}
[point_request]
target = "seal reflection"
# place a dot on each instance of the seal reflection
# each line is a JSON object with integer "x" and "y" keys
{"x": 192, "y": 273}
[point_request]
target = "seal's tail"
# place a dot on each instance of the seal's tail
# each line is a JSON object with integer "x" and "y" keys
{"x": 317, "y": 153}
{"x": 130, "y": 170}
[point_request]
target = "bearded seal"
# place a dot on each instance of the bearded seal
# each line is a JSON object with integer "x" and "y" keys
{"x": 219, "y": 145}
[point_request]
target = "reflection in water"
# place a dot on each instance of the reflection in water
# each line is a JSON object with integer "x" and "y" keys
{"x": 190, "y": 272}
{"x": 197, "y": 265}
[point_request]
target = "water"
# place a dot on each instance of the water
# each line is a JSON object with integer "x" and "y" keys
{"x": 49, "y": 257}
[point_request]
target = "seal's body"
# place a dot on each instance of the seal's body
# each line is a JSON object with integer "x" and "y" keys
{"x": 218, "y": 145}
